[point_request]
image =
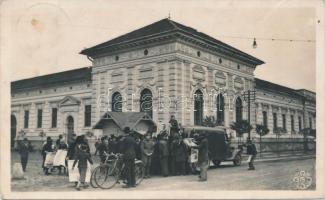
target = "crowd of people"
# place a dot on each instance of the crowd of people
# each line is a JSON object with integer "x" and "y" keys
{"x": 164, "y": 153}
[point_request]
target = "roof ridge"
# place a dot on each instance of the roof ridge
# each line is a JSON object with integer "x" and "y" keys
{"x": 173, "y": 24}
{"x": 53, "y": 74}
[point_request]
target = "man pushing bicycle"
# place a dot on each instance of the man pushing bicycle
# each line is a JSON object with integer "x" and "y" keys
{"x": 128, "y": 149}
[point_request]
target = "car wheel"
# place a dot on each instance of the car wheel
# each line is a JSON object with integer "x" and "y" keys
{"x": 216, "y": 162}
{"x": 237, "y": 160}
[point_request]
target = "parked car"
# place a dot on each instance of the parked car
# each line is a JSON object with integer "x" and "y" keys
{"x": 220, "y": 147}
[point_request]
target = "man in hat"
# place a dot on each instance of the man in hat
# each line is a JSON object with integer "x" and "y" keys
{"x": 180, "y": 155}
{"x": 24, "y": 148}
{"x": 173, "y": 126}
{"x": 251, "y": 151}
{"x": 128, "y": 149}
{"x": 163, "y": 132}
{"x": 147, "y": 148}
{"x": 163, "y": 155}
{"x": 203, "y": 158}
{"x": 103, "y": 149}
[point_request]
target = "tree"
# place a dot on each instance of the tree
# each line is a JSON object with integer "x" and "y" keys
{"x": 241, "y": 127}
{"x": 261, "y": 130}
{"x": 209, "y": 121}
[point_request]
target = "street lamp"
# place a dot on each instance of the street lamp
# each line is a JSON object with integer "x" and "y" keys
{"x": 249, "y": 96}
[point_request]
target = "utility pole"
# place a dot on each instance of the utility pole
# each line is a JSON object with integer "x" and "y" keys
{"x": 249, "y": 96}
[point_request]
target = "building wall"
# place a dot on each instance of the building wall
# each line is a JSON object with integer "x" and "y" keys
{"x": 174, "y": 71}
{"x": 275, "y": 102}
{"x": 46, "y": 99}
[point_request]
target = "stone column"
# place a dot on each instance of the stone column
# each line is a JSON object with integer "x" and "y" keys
{"x": 32, "y": 121}
{"x": 288, "y": 117}
{"x": 46, "y": 116}
{"x": 259, "y": 113}
{"x": 270, "y": 118}
{"x": 226, "y": 110}
{"x": 296, "y": 123}
{"x": 94, "y": 100}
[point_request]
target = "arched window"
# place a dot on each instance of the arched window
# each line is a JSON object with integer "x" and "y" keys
{"x": 220, "y": 109}
{"x": 198, "y": 107}
{"x": 239, "y": 109}
{"x": 146, "y": 102}
{"x": 117, "y": 102}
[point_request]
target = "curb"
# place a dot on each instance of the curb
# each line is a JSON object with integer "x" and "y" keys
{"x": 289, "y": 158}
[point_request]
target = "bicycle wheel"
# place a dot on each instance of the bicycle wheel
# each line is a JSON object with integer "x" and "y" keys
{"x": 139, "y": 172}
{"x": 106, "y": 176}
{"x": 92, "y": 178}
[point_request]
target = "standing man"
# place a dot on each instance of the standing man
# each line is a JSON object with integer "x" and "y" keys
{"x": 147, "y": 148}
{"x": 180, "y": 156}
{"x": 128, "y": 149}
{"x": 173, "y": 126}
{"x": 251, "y": 151}
{"x": 103, "y": 149}
{"x": 163, "y": 132}
{"x": 163, "y": 155}
{"x": 203, "y": 159}
{"x": 24, "y": 148}
{"x": 57, "y": 143}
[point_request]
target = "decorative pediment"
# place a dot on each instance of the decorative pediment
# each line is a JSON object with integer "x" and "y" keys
{"x": 238, "y": 83}
{"x": 220, "y": 78}
{"x": 117, "y": 76}
{"x": 198, "y": 72}
{"x": 146, "y": 71}
{"x": 69, "y": 101}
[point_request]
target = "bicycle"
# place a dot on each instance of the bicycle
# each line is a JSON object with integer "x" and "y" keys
{"x": 106, "y": 175}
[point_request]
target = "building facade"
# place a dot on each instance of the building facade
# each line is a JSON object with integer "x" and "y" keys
{"x": 163, "y": 69}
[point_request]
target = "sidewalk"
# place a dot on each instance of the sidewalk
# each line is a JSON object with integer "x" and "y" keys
{"x": 289, "y": 155}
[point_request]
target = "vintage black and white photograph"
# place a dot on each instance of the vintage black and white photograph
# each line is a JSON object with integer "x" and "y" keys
{"x": 161, "y": 96}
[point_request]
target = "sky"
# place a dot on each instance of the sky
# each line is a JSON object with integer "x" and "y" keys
{"x": 46, "y": 36}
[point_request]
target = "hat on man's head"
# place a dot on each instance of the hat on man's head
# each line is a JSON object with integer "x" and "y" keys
{"x": 48, "y": 139}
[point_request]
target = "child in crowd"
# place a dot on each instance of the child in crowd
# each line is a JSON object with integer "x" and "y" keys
{"x": 82, "y": 157}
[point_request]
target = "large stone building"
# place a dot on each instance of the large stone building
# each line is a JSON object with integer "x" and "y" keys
{"x": 164, "y": 68}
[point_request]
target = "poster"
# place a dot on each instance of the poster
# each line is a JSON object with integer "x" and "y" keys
{"x": 194, "y": 155}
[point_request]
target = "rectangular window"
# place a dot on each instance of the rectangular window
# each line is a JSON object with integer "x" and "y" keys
{"x": 284, "y": 122}
{"x": 292, "y": 123}
{"x": 275, "y": 120}
{"x": 26, "y": 118}
{"x": 87, "y": 115}
{"x": 265, "y": 118}
{"x": 299, "y": 121}
{"x": 54, "y": 117}
{"x": 39, "y": 118}
{"x": 310, "y": 123}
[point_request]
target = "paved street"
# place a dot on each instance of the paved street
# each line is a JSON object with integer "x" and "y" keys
{"x": 276, "y": 175}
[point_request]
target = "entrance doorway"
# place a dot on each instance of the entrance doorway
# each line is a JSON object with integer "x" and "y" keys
{"x": 13, "y": 130}
{"x": 70, "y": 128}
